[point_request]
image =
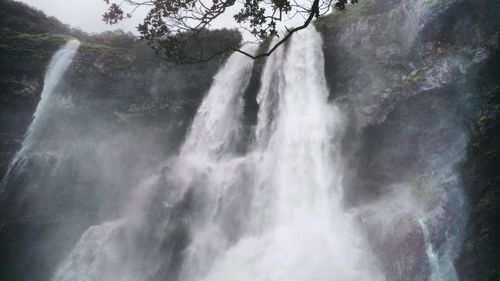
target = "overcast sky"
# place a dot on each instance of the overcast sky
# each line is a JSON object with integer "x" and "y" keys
{"x": 85, "y": 14}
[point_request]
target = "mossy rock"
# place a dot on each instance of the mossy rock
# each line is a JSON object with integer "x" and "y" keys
{"x": 33, "y": 46}
{"x": 337, "y": 19}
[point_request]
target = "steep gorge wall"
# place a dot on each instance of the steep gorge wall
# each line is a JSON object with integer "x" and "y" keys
{"x": 413, "y": 75}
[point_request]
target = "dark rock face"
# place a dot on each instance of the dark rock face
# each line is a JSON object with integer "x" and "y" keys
{"x": 411, "y": 75}
{"x": 396, "y": 238}
{"x": 481, "y": 248}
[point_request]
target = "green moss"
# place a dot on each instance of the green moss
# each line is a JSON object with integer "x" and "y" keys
{"x": 469, "y": 246}
{"x": 414, "y": 78}
{"x": 338, "y": 19}
{"x": 37, "y": 46}
{"x": 425, "y": 190}
{"x": 438, "y": 2}
{"x": 494, "y": 275}
{"x": 37, "y": 39}
{"x": 99, "y": 47}
{"x": 8, "y": 35}
{"x": 493, "y": 39}
{"x": 481, "y": 177}
{"x": 417, "y": 78}
{"x": 487, "y": 203}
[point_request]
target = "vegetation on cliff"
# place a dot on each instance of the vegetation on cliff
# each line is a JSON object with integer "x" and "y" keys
{"x": 481, "y": 251}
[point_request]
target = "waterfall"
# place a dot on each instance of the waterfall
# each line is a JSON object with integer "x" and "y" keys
{"x": 216, "y": 127}
{"x": 441, "y": 267}
{"x": 431, "y": 255}
{"x": 273, "y": 213}
{"x": 58, "y": 65}
{"x": 102, "y": 252}
{"x": 298, "y": 229}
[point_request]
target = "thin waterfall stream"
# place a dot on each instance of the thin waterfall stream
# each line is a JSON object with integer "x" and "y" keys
{"x": 55, "y": 71}
{"x": 431, "y": 255}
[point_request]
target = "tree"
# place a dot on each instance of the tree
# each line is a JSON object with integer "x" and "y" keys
{"x": 172, "y": 25}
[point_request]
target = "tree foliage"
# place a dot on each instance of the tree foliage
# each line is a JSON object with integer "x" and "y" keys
{"x": 171, "y": 25}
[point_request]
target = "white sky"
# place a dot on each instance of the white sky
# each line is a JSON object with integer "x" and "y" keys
{"x": 87, "y": 14}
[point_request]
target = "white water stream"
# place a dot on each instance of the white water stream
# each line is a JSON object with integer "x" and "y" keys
{"x": 58, "y": 65}
{"x": 273, "y": 214}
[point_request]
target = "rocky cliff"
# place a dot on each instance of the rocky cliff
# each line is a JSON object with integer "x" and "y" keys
{"x": 414, "y": 74}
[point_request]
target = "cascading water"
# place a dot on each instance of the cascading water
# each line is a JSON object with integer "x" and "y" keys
{"x": 101, "y": 254}
{"x": 216, "y": 127}
{"x": 58, "y": 65}
{"x": 274, "y": 213}
{"x": 431, "y": 255}
{"x": 441, "y": 265}
{"x": 299, "y": 230}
